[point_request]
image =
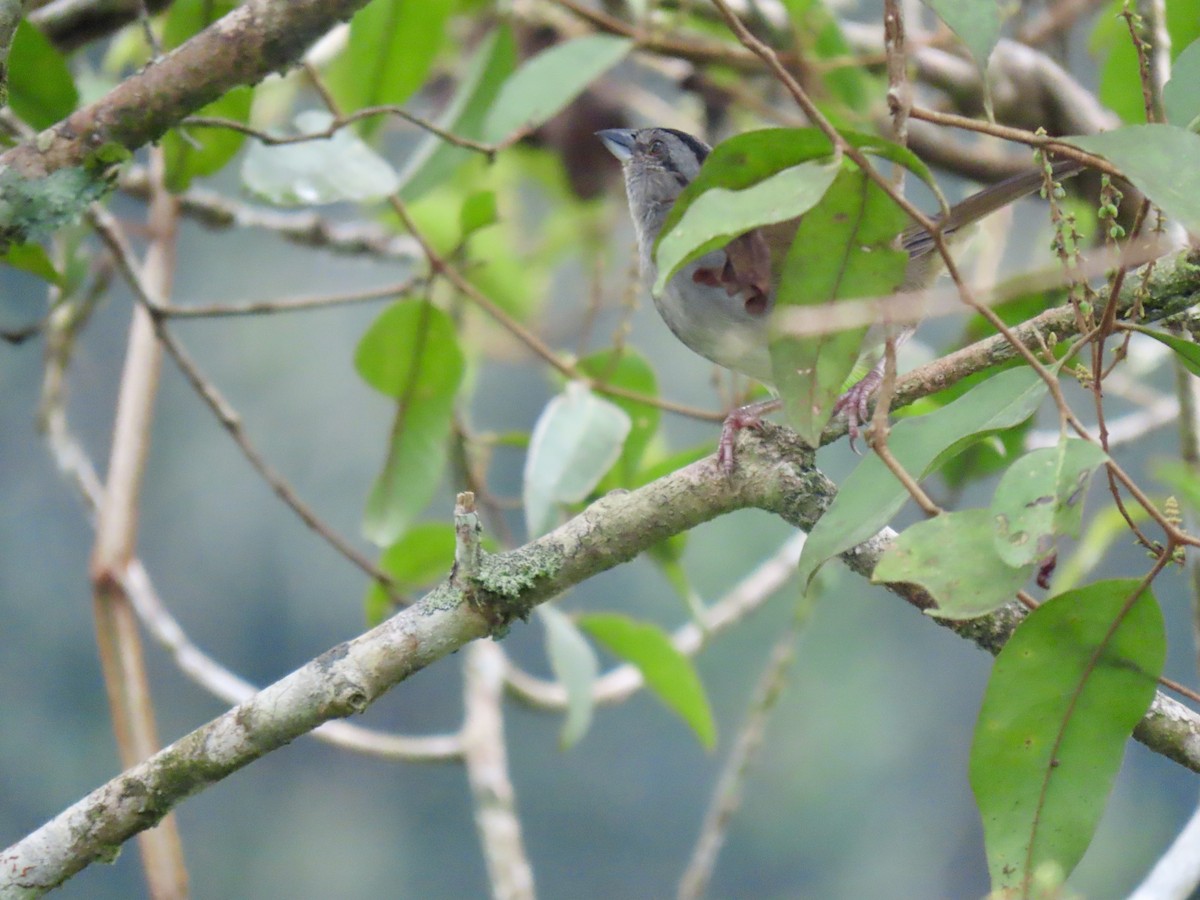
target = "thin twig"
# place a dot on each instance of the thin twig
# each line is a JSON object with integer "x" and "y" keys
{"x": 121, "y": 658}
{"x": 109, "y": 231}
{"x": 290, "y": 304}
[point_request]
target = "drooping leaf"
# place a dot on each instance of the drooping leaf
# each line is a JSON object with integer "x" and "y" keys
{"x": 1187, "y": 352}
{"x": 40, "y": 88}
{"x": 549, "y": 81}
{"x": 411, "y": 353}
{"x": 1041, "y": 497}
{"x": 422, "y": 556}
{"x": 206, "y": 150}
{"x": 628, "y": 369}
{"x": 976, "y": 22}
{"x": 335, "y": 169}
{"x": 390, "y": 50}
{"x": 1064, "y": 697}
{"x": 434, "y": 160}
{"x": 843, "y": 249}
{"x": 574, "y": 664}
{"x": 871, "y": 495}
{"x": 1162, "y": 161}
{"x": 953, "y": 557}
{"x": 668, "y": 672}
{"x": 1181, "y": 99}
{"x": 576, "y": 440}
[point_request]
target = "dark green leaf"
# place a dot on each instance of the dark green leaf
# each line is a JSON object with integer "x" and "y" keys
{"x": 1162, "y": 161}
{"x": 575, "y": 666}
{"x": 434, "y": 160}
{"x": 411, "y": 353}
{"x": 340, "y": 168}
{"x": 206, "y": 150}
{"x": 871, "y": 495}
{"x": 843, "y": 248}
{"x": 668, "y": 672}
{"x": 1064, "y": 696}
{"x": 391, "y": 47}
{"x": 1041, "y": 497}
{"x": 40, "y": 88}
{"x": 952, "y": 556}
{"x": 549, "y": 81}
{"x": 576, "y": 440}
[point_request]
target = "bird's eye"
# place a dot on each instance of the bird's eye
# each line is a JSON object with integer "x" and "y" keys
{"x": 657, "y": 146}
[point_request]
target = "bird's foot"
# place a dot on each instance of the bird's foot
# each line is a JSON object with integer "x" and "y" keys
{"x": 748, "y": 416}
{"x": 855, "y": 403}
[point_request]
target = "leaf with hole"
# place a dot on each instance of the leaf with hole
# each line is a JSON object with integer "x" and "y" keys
{"x": 871, "y": 495}
{"x": 953, "y": 558}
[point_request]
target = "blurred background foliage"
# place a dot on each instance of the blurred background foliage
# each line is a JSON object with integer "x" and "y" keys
{"x": 861, "y": 788}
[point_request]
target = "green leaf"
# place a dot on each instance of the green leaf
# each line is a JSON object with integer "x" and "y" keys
{"x": 1064, "y": 696}
{"x": 478, "y": 211}
{"x": 976, "y": 22}
{"x": 953, "y": 557}
{"x": 206, "y": 150}
{"x": 576, "y": 440}
{"x": 340, "y": 168}
{"x": 1162, "y": 161}
{"x": 391, "y": 48}
{"x": 1180, "y": 97}
{"x": 434, "y": 160}
{"x": 842, "y": 249}
{"x": 755, "y": 178}
{"x": 668, "y": 672}
{"x": 1120, "y": 87}
{"x": 40, "y": 88}
{"x": 187, "y": 18}
{"x": 628, "y": 369}
{"x": 411, "y": 353}
{"x": 421, "y": 557}
{"x": 1041, "y": 497}
{"x": 871, "y": 495}
{"x": 549, "y": 81}
{"x": 32, "y": 258}
{"x": 574, "y": 664}
{"x": 1187, "y": 352}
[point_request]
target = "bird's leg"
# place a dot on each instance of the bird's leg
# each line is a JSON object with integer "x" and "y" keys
{"x": 748, "y": 416}
{"x": 855, "y": 402}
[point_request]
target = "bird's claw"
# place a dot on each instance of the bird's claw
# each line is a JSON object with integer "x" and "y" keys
{"x": 855, "y": 403}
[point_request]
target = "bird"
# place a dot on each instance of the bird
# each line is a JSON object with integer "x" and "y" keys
{"x": 719, "y": 305}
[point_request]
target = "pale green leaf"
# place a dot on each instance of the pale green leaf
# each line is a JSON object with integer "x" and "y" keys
{"x": 549, "y": 81}
{"x": 340, "y": 168}
{"x": 1181, "y": 95}
{"x": 574, "y": 664}
{"x": 576, "y": 440}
